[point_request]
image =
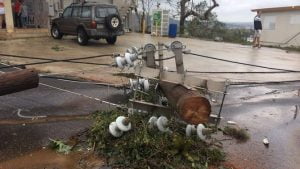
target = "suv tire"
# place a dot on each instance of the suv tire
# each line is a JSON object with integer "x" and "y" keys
{"x": 55, "y": 32}
{"x": 82, "y": 37}
{"x": 113, "y": 22}
{"x": 111, "y": 40}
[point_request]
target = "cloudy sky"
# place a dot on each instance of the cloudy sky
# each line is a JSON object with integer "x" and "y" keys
{"x": 240, "y": 10}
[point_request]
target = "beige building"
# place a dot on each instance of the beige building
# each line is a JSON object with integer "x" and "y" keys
{"x": 41, "y": 11}
{"x": 281, "y": 26}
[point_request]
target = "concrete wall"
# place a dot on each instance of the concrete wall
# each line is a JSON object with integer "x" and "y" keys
{"x": 279, "y": 28}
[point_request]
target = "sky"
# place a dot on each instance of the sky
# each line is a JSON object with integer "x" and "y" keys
{"x": 240, "y": 10}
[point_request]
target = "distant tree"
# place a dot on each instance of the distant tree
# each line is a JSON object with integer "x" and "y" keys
{"x": 187, "y": 8}
{"x": 145, "y": 6}
{"x": 213, "y": 28}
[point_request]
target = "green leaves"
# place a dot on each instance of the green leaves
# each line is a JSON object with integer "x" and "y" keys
{"x": 60, "y": 146}
{"x": 145, "y": 147}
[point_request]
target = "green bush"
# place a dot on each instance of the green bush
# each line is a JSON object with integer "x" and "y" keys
{"x": 143, "y": 147}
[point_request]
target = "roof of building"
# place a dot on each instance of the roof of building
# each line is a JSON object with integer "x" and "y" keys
{"x": 278, "y": 9}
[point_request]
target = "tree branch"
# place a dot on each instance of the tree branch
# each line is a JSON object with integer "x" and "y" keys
{"x": 206, "y": 14}
{"x": 208, "y": 11}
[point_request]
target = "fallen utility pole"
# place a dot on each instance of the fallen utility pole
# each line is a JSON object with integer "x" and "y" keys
{"x": 191, "y": 106}
{"x": 17, "y": 81}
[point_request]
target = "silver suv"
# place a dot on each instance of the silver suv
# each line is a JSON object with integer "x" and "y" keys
{"x": 88, "y": 21}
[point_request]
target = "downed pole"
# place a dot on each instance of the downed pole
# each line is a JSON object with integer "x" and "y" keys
{"x": 17, "y": 81}
{"x": 191, "y": 106}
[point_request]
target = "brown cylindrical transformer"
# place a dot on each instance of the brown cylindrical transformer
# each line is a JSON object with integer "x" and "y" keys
{"x": 17, "y": 81}
{"x": 191, "y": 106}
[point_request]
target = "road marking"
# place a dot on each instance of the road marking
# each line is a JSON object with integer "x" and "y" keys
{"x": 28, "y": 117}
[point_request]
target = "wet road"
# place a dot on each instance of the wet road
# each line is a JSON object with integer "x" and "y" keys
{"x": 267, "y": 112}
{"x": 68, "y": 48}
{"x": 21, "y": 138}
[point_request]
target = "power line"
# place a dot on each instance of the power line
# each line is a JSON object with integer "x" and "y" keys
{"x": 203, "y": 72}
{"x": 241, "y": 63}
{"x": 46, "y": 61}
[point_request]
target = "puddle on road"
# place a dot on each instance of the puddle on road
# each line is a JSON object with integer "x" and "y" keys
{"x": 49, "y": 159}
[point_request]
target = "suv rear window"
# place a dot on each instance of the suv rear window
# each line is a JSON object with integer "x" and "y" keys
{"x": 104, "y": 12}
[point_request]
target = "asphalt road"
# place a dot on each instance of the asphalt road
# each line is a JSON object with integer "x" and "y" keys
{"x": 18, "y": 138}
{"x": 267, "y": 111}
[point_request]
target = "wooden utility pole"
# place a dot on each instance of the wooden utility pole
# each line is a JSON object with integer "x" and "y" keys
{"x": 190, "y": 105}
{"x": 17, "y": 81}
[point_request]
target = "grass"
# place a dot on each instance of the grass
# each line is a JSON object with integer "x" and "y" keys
{"x": 57, "y": 48}
{"x": 145, "y": 147}
{"x": 241, "y": 135}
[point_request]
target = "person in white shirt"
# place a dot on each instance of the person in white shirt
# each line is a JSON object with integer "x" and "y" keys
{"x": 257, "y": 30}
{"x": 2, "y": 12}
{"x": 24, "y": 15}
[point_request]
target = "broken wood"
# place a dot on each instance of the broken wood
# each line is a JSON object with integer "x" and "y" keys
{"x": 190, "y": 105}
{"x": 17, "y": 81}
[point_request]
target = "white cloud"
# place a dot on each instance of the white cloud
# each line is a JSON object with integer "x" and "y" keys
{"x": 240, "y": 10}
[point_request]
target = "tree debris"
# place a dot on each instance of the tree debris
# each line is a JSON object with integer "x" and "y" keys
{"x": 240, "y": 134}
{"x": 146, "y": 147}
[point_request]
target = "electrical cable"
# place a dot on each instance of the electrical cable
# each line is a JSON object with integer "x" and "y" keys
{"x": 73, "y": 60}
{"x": 262, "y": 83}
{"x": 83, "y": 82}
{"x": 46, "y": 62}
{"x": 241, "y": 63}
{"x": 202, "y": 72}
{"x": 168, "y": 58}
{"x": 79, "y": 94}
{"x": 46, "y": 59}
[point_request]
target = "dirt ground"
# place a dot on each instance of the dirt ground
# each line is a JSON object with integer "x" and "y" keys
{"x": 68, "y": 48}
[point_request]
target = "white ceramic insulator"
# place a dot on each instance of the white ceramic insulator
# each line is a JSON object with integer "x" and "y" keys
{"x": 133, "y": 83}
{"x": 152, "y": 122}
{"x": 128, "y": 51}
{"x": 190, "y": 129}
{"x": 135, "y": 50}
{"x": 128, "y": 58}
{"x": 130, "y": 111}
{"x": 162, "y": 123}
{"x": 114, "y": 130}
{"x": 146, "y": 85}
{"x": 121, "y": 62}
{"x": 120, "y": 124}
{"x": 200, "y": 128}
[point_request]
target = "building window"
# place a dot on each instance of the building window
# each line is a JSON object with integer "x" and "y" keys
{"x": 295, "y": 19}
{"x": 269, "y": 22}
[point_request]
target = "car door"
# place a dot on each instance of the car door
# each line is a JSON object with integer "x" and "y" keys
{"x": 66, "y": 19}
{"x": 74, "y": 20}
{"x": 86, "y": 16}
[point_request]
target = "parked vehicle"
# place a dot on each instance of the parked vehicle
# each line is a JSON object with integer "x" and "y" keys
{"x": 88, "y": 21}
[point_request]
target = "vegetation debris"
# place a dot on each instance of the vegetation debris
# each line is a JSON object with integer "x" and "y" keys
{"x": 240, "y": 134}
{"x": 145, "y": 147}
{"x": 60, "y": 146}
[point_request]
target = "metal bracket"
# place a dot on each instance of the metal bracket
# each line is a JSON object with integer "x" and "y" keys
{"x": 149, "y": 54}
{"x": 177, "y": 48}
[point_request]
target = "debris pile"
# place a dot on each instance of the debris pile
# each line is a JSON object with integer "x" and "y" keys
{"x": 145, "y": 146}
